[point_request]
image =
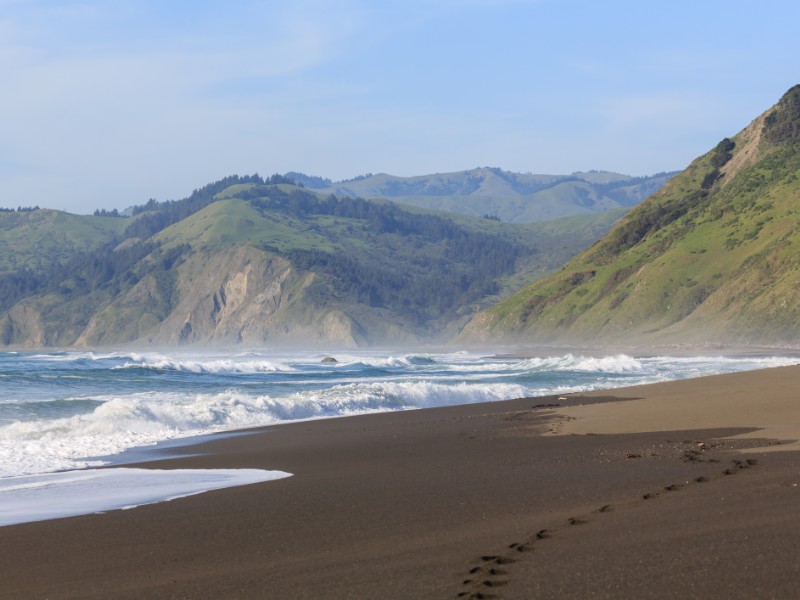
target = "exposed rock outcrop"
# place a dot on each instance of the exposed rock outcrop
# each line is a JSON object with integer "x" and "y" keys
{"x": 239, "y": 295}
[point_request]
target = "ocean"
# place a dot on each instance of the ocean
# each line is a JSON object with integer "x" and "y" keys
{"x": 63, "y": 413}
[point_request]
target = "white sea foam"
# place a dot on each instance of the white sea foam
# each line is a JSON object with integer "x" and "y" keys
{"x": 145, "y": 418}
{"x": 621, "y": 363}
{"x": 373, "y": 396}
{"x": 32, "y": 497}
{"x": 199, "y": 364}
{"x": 129, "y": 410}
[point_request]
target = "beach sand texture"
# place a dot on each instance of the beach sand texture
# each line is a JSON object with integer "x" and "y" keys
{"x": 768, "y": 400}
{"x": 650, "y": 496}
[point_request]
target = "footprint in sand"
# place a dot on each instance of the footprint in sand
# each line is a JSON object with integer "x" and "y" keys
{"x": 478, "y": 585}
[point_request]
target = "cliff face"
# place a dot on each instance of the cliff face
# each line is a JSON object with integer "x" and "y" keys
{"x": 712, "y": 256}
{"x": 238, "y": 295}
{"x": 243, "y": 295}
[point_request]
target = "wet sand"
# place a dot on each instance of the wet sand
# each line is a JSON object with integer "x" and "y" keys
{"x": 637, "y": 493}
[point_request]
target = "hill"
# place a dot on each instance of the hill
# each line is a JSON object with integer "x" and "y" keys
{"x": 510, "y": 197}
{"x": 35, "y": 239}
{"x": 712, "y": 256}
{"x": 251, "y": 261}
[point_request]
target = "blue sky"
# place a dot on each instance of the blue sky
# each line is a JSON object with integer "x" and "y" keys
{"x": 108, "y": 103}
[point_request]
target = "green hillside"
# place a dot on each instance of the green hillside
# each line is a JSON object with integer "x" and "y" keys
{"x": 37, "y": 239}
{"x": 244, "y": 260}
{"x": 510, "y": 197}
{"x": 712, "y": 256}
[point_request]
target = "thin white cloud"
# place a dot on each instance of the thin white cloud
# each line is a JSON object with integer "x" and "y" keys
{"x": 108, "y": 103}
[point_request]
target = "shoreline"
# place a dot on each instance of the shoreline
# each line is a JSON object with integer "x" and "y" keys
{"x": 767, "y": 400}
{"x": 161, "y": 449}
{"x": 437, "y": 502}
{"x": 647, "y": 351}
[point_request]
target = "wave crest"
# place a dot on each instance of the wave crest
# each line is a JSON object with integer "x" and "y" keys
{"x": 249, "y": 366}
{"x": 143, "y": 419}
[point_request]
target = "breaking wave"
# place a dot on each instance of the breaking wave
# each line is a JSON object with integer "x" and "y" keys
{"x": 207, "y": 365}
{"x": 62, "y": 410}
{"x": 141, "y": 419}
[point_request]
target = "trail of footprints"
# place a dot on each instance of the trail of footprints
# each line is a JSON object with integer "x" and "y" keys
{"x": 490, "y": 572}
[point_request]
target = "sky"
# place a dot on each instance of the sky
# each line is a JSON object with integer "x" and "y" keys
{"x": 108, "y": 103}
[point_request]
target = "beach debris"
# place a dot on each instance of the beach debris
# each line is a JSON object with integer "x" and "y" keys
{"x": 562, "y": 398}
{"x": 633, "y": 455}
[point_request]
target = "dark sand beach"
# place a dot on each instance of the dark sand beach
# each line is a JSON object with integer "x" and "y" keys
{"x": 663, "y": 491}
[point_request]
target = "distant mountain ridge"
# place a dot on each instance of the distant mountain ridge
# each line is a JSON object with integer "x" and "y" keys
{"x": 246, "y": 260}
{"x": 510, "y": 197}
{"x": 713, "y": 256}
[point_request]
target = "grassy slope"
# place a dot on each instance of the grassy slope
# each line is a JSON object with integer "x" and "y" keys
{"x": 35, "y": 240}
{"x": 683, "y": 266}
{"x": 233, "y": 221}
